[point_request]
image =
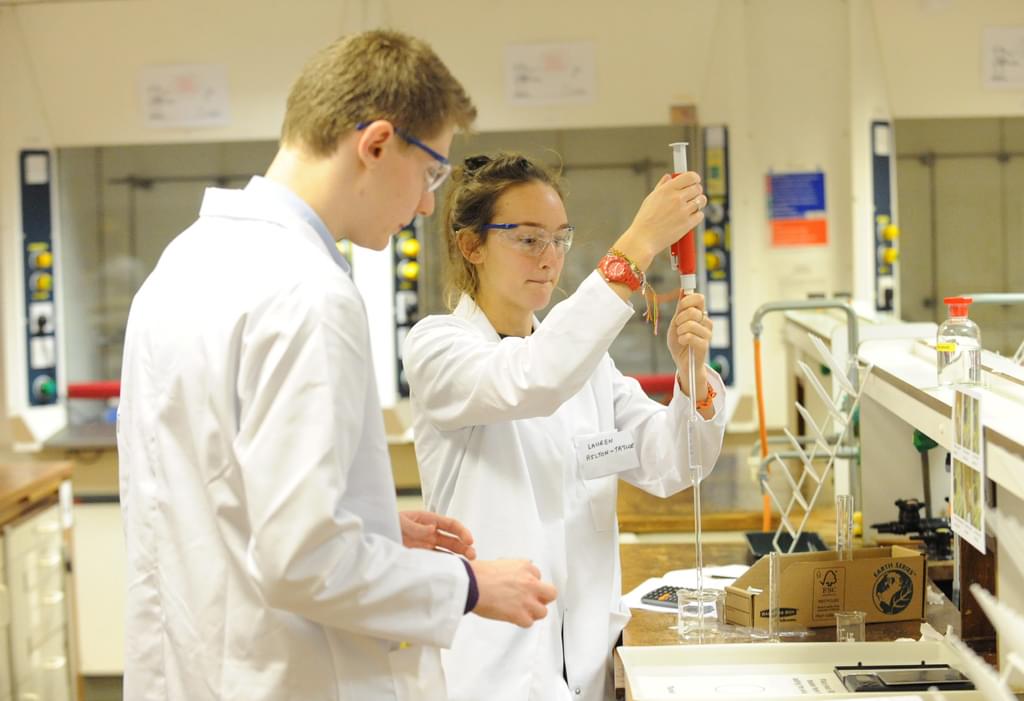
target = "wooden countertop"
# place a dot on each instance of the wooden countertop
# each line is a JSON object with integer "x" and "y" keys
{"x": 640, "y": 512}
{"x": 23, "y": 482}
{"x": 90, "y": 436}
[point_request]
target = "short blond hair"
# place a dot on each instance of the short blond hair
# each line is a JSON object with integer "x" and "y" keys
{"x": 373, "y": 75}
{"x": 476, "y": 186}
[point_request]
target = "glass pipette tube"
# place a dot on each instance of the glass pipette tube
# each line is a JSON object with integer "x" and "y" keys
{"x": 688, "y": 285}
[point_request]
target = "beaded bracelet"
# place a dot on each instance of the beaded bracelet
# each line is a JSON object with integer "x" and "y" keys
{"x": 650, "y": 296}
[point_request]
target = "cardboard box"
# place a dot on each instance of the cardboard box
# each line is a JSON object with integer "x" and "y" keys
{"x": 398, "y": 429}
{"x": 886, "y": 583}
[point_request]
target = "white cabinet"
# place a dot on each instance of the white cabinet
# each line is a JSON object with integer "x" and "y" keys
{"x": 35, "y": 564}
{"x": 6, "y": 688}
{"x": 100, "y": 588}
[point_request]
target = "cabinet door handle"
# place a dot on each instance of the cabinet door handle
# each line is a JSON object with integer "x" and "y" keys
{"x": 5, "y": 606}
{"x": 52, "y": 597}
{"x": 55, "y": 663}
{"x": 48, "y": 527}
{"x": 51, "y": 560}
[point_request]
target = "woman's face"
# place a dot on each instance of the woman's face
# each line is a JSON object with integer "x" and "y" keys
{"x": 509, "y": 268}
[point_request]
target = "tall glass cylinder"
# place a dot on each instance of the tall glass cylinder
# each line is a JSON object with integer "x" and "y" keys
{"x": 774, "y": 586}
{"x": 844, "y": 526}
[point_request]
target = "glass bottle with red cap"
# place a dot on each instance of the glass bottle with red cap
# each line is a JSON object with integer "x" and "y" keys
{"x": 958, "y": 346}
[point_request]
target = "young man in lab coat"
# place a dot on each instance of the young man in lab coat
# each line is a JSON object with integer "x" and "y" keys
{"x": 265, "y": 553}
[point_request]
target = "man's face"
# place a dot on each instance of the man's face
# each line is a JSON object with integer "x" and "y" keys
{"x": 397, "y": 189}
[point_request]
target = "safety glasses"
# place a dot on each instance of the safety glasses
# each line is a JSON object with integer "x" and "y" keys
{"x": 437, "y": 172}
{"x": 534, "y": 240}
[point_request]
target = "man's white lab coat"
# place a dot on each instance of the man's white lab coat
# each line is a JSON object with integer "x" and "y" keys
{"x": 263, "y": 543}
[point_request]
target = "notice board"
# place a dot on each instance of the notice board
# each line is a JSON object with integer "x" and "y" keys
{"x": 796, "y": 208}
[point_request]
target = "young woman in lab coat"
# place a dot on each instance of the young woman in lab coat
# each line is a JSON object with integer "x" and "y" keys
{"x": 524, "y": 427}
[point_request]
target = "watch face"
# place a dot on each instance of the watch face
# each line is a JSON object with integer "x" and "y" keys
{"x": 616, "y": 268}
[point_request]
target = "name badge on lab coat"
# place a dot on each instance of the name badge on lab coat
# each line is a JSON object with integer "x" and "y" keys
{"x": 603, "y": 454}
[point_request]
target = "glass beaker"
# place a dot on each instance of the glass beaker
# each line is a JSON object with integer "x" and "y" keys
{"x": 697, "y": 614}
{"x": 850, "y": 626}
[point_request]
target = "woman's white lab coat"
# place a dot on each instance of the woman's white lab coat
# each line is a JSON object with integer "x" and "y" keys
{"x": 498, "y": 426}
{"x": 263, "y": 544}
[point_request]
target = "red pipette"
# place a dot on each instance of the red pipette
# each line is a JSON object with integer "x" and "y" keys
{"x": 684, "y": 251}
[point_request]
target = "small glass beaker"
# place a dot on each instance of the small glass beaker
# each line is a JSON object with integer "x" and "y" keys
{"x": 697, "y": 614}
{"x": 850, "y": 626}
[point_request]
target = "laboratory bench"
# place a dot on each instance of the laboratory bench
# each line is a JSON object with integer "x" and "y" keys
{"x": 37, "y": 610}
{"x": 641, "y": 561}
{"x": 898, "y": 397}
{"x": 26, "y": 484}
{"x": 640, "y": 512}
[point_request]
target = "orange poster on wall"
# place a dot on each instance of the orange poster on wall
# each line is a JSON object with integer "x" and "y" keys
{"x": 799, "y": 232}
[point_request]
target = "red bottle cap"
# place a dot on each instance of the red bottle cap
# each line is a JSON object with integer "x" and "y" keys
{"x": 958, "y": 305}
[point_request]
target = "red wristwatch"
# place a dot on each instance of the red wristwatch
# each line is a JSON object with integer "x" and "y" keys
{"x": 618, "y": 269}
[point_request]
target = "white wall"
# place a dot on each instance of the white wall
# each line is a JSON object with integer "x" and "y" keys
{"x": 869, "y": 101}
{"x": 87, "y": 56}
{"x": 787, "y": 111}
{"x": 23, "y": 124}
{"x": 797, "y": 81}
{"x": 931, "y": 55}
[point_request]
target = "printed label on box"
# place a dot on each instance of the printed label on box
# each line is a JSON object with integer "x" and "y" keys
{"x": 893, "y": 589}
{"x": 829, "y": 594}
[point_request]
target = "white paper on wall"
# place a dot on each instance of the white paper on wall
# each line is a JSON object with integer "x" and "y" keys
{"x": 967, "y": 472}
{"x": 184, "y": 95}
{"x": 1003, "y": 57}
{"x": 550, "y": 73}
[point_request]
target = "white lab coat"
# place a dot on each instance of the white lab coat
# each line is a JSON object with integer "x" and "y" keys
{"x": 263, "y": 543}
{"x": 494, "y": 427}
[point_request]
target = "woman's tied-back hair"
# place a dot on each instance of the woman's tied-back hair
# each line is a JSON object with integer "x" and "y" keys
{"x": 476, "y": 186}
{"x": 373, "y": 75}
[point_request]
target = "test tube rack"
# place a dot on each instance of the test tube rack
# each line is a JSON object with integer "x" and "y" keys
{"x": 840, "y": 408}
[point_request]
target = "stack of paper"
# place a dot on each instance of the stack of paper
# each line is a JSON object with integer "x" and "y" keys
{"x": 714, "y": 578}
